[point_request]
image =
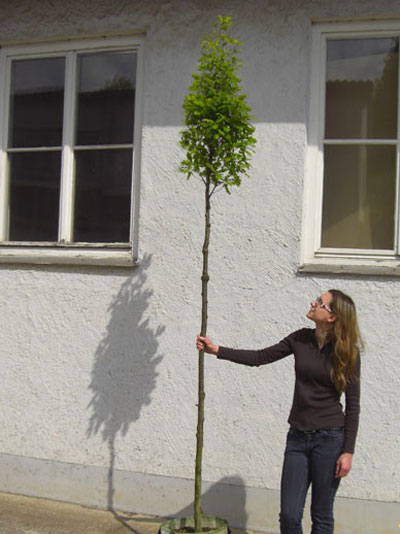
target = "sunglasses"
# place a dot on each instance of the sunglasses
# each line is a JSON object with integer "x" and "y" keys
{"x": 321, "y": 304}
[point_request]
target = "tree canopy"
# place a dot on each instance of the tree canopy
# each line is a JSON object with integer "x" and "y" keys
{"x": 219, "y": 135}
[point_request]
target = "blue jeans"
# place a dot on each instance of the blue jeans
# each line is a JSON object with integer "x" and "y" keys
{"x": 310, "y": 458}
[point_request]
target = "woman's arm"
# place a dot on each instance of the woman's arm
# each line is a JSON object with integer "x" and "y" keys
{"x": 352, "y": 411}
{"x": 248, "y": 357}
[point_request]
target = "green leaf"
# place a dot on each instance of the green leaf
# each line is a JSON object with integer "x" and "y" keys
{"x": 218, "y": 135}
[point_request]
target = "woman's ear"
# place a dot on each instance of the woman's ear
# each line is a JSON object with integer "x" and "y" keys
{"x": 332, "y": 318}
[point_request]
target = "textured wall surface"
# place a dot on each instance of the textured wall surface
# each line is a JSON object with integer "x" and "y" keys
{"x": 99, "y": 364}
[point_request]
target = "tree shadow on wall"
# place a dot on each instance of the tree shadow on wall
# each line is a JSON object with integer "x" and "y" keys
{"x": 124, "y": 372}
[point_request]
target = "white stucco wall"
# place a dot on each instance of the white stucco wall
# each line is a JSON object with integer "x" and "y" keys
{"x": 100, "y": 361}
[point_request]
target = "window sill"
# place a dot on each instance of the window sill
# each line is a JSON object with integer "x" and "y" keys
{"x": 370, "y": 266}
{"x": 45, "y": 254}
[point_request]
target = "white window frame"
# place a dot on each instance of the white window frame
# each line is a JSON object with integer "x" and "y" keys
{"x": 314, "y": 258}
{"x": 63, "y": 251}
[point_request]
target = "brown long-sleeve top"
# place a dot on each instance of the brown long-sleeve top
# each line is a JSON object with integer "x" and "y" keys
{"x": 316, "y": 402}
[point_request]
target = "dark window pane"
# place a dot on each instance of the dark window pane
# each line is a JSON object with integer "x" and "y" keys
{"x": 359, "y": 197}
{"x": 102, "y": 195}
{"x": 106, "y": 98}
{"x": 361, "y": 88}
{"x": 37, "y": 102}
{"x": 34, "y": 196}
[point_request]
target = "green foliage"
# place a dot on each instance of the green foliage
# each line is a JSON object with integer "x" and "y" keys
{"x": 218, "y": 137}
{"x": 119, "y": 83}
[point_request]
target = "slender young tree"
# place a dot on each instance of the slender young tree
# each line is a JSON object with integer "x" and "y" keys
{"x": 219, "y": 141}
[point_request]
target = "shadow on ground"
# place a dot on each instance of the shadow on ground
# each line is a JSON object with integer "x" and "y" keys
{"x": 225, "y": 498}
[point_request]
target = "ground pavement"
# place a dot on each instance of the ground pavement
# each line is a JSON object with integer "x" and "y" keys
{"x": 28, "y": 515}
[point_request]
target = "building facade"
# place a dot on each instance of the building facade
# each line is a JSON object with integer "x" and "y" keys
{"x": 100, "y": 250}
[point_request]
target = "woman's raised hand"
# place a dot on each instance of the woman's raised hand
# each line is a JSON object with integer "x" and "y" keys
{"x": 205, "y": 343}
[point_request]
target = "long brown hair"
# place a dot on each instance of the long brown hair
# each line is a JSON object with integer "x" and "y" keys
{"x": 347, "y": 340}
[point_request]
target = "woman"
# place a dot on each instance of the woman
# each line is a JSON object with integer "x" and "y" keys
{"x": 320, "y": 442}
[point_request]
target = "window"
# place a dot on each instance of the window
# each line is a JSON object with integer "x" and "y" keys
{"x": 68, "y": 152}
{"x": 352, "y": 210}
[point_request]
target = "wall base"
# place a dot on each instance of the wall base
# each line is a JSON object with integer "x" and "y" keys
{"x": 244, "y": 507}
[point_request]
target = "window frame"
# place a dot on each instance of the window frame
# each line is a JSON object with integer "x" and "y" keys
{"x": 314, "y": 258}
{"x": 63, "y": 251}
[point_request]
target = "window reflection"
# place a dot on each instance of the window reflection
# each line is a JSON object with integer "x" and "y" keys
{"x": 106, "y": 96}
{"x": 361, "y": 88}
{"x": 102, "y": 195}
{"x": 34, "y": 196}
{"x": 36, "y": 102}
{"x": 359, "y": 197}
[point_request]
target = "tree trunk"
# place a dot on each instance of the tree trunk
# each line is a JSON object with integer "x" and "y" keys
{"x": 198, "y": 512}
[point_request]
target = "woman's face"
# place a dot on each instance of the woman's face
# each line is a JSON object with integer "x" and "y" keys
{"x": 320, "y": 309}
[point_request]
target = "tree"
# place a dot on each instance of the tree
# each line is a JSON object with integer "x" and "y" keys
{"x": 219, "y": 141}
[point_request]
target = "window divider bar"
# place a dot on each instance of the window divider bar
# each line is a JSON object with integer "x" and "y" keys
{"x": 136, "y": 156}
{"x": 397, "y": 203}
{"x": 397, "y": 198}
{"x": 102, "y": 147}
{"x": 67, "y": 165}
{"x": 34, "y": 149}
{"x": 360, "y": 141}
{"x": 351, "y": 252}
{"x": 4, "y": 194}
{"x": 322, "y": 51}
{"x": 59, "y": 148}
{"x": 5, "y": 65}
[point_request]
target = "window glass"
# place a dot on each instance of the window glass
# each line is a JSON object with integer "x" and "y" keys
{"x": 361, "y": 88}
{"x": 359, "y": 196}
{"x": 34, "y": 196}
{"x": 36, "y": 102}
{"x": 106, "y": 97}
{"x": 102, "y": 195}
